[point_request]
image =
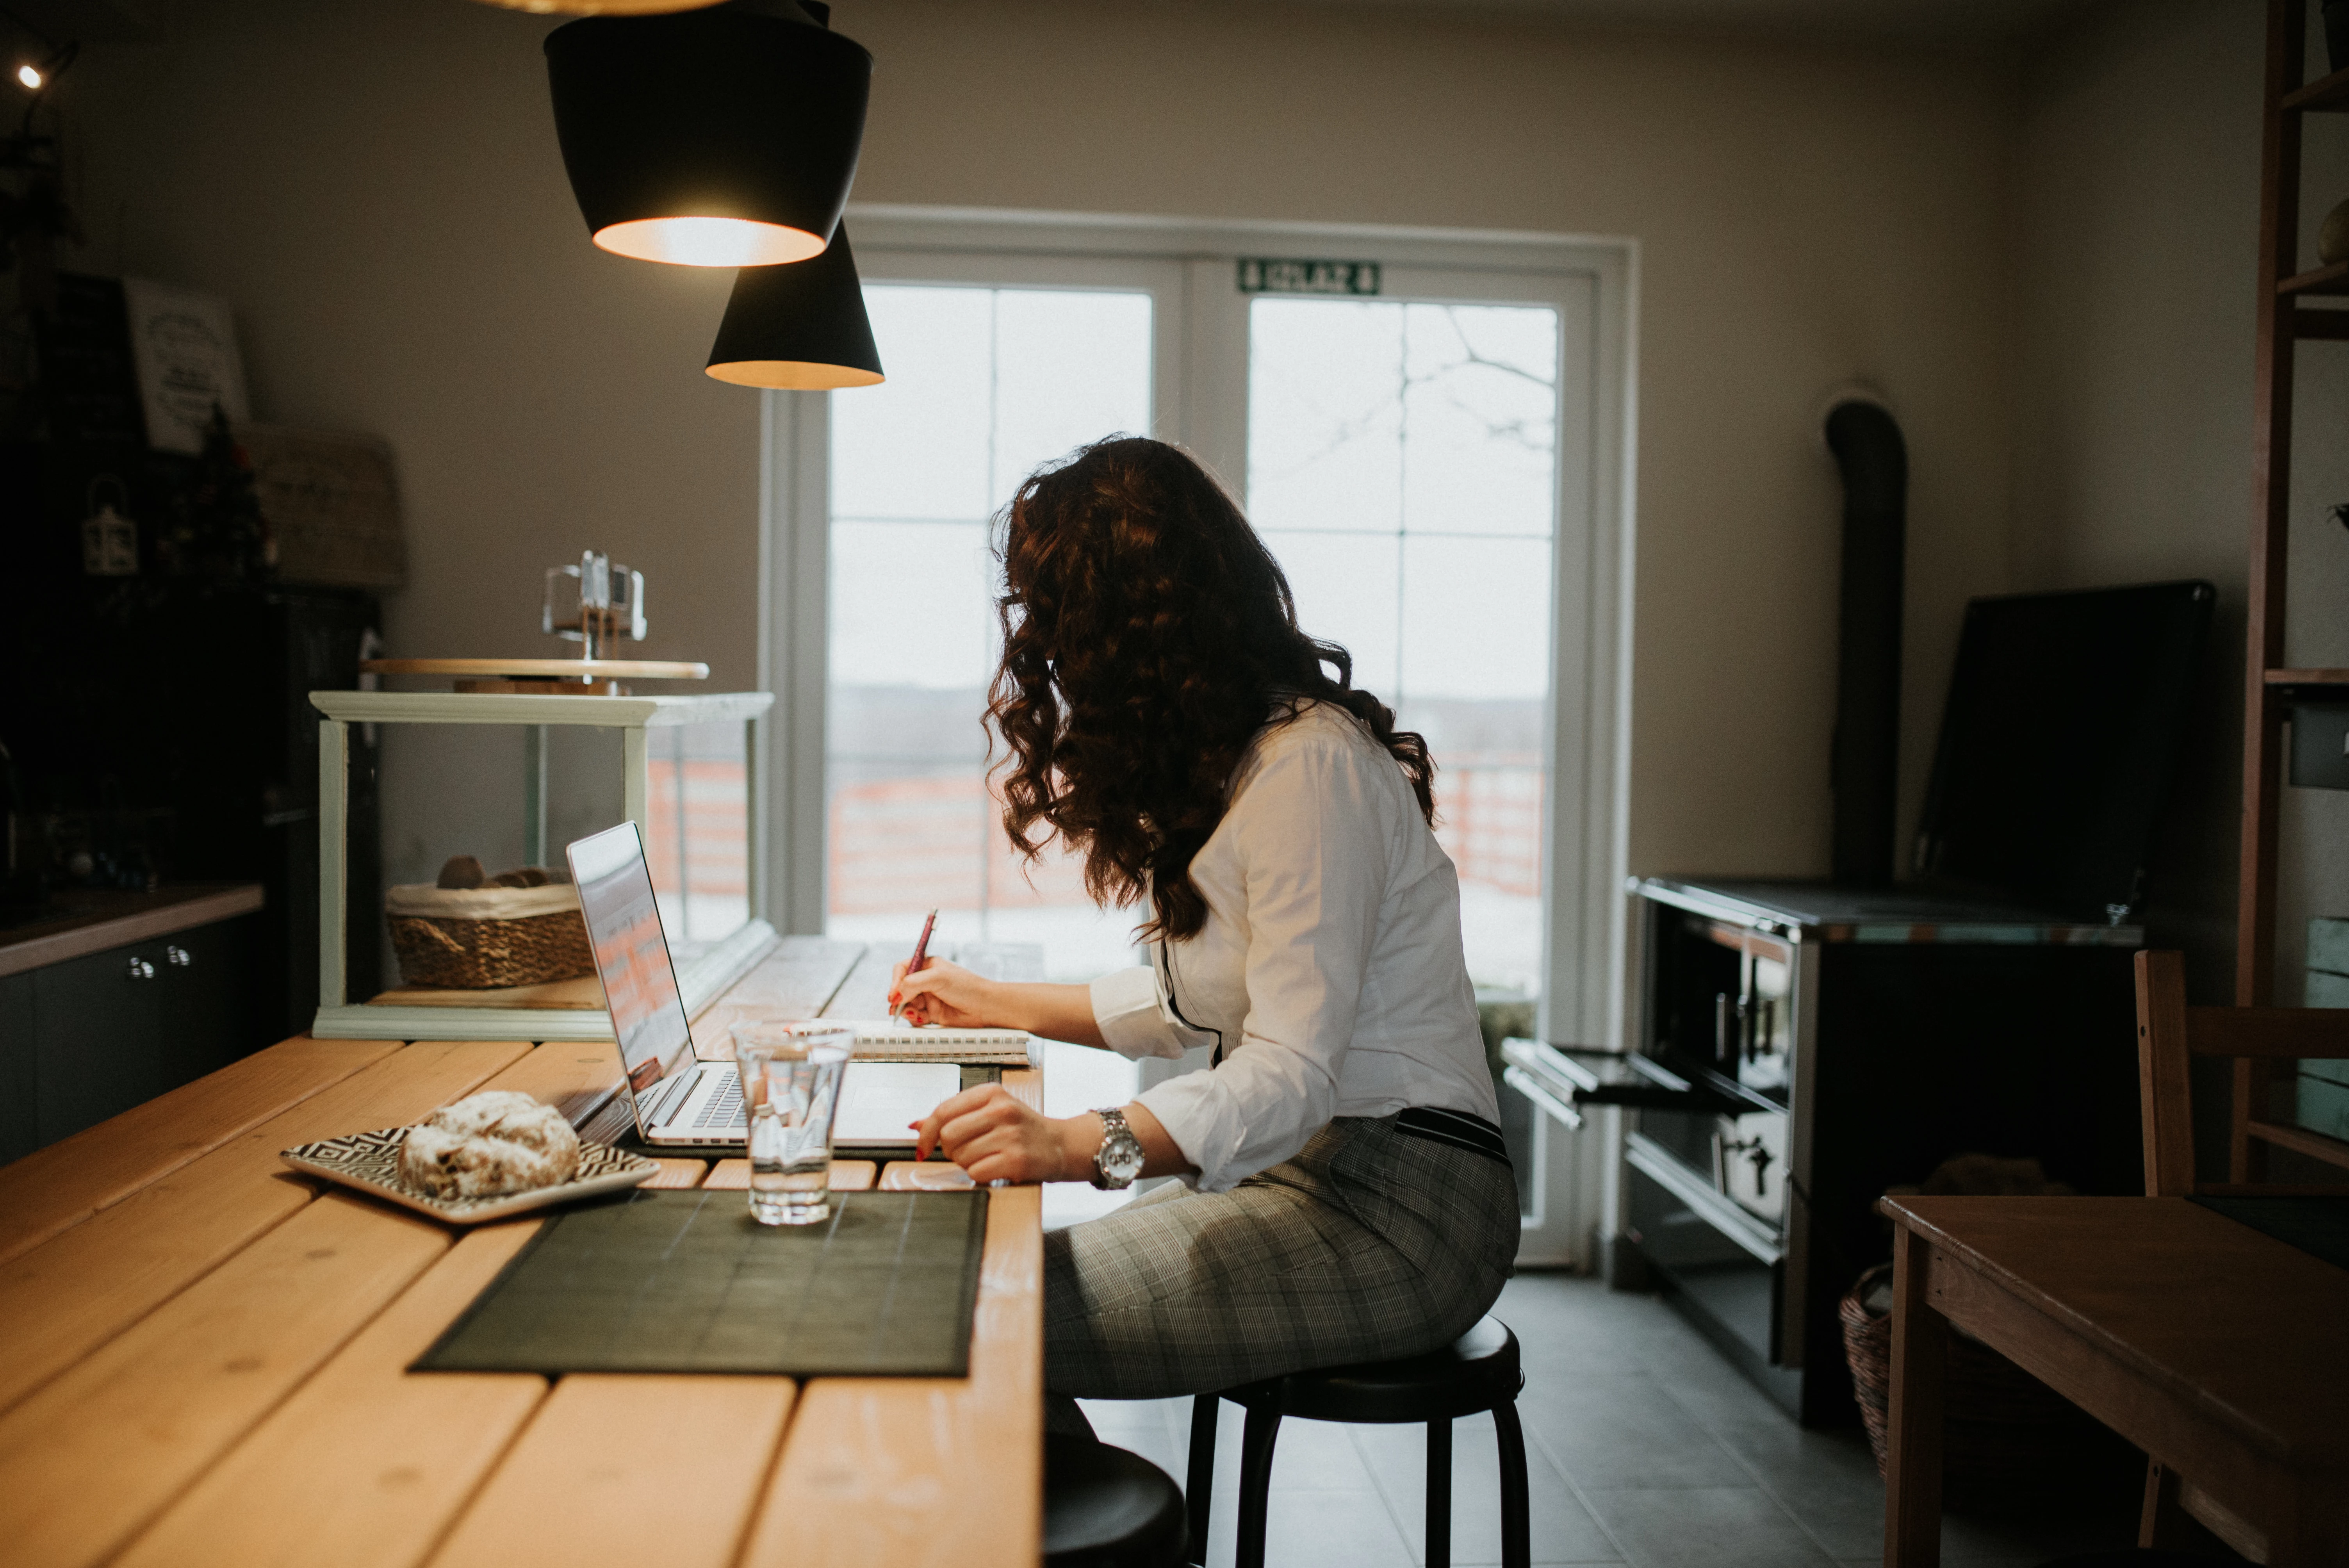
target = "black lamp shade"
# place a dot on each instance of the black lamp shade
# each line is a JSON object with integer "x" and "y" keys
{"x": 719, "y": 138}
{"x": 801, "y": 328}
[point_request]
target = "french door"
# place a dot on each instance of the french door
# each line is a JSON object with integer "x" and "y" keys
{"x": 1430, "y": 462}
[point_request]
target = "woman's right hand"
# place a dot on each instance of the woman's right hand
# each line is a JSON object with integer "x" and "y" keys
{"x": 948, "y": 993}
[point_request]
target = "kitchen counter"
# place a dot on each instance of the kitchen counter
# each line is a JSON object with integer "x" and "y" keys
{"x": 91, "y": 920}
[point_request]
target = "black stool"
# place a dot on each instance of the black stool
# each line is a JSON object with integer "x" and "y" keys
{"x": 1478, "y": 1371}
{"x": 1105, "y": 1508}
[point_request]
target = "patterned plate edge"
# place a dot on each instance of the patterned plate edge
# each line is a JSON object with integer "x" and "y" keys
{"x": 332, "y": 1160}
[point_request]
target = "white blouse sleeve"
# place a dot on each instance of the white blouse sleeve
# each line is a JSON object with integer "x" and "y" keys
{"x": 1310, "y": 835}
{"x": 1131, "y": 1015}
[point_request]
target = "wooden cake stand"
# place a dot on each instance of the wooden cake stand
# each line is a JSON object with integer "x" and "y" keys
{"x": 551, "y": 678}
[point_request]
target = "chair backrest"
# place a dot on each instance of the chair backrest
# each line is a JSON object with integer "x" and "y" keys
{"x": 2171, "y": 1034}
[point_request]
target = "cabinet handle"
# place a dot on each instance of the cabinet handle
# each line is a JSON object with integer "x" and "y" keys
{"x": 142, "y": 969}
{"x": 178, "y": 957}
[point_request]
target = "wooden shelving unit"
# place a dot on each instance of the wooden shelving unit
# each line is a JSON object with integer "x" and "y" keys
{"x": 2284, "y": 324}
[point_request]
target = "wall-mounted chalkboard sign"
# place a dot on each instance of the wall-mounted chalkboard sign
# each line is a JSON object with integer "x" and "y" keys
{"x": 1281, "y": 274}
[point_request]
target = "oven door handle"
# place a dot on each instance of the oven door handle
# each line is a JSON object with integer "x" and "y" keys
{"x": 1656, "y": 1097}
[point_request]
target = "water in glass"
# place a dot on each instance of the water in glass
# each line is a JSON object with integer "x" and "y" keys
{"x": 791, "y": 1073}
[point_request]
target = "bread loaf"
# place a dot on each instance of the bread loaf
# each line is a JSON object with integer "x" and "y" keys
{"x": 490, "y": 1145}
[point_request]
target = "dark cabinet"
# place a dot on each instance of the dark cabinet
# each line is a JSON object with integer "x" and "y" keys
{"x": 189, "y": 700}
{"x": 89, "y": 1037}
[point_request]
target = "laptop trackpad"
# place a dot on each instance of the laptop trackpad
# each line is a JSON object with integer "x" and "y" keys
{"x": 879, "y": 1099}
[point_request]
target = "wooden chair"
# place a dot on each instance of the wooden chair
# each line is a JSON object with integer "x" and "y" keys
{"x": 2169, "y": 1034}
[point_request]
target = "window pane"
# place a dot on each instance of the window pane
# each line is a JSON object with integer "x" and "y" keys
{"x": 698, "y": 834}
{"x": 1325, "y": 405}
{"x": 1402, "y": 462}
{"x": 1482, "y": 419}
{"x": 983, "y": 385}
{"x": 916, "y": 445}
{"x": 1346, "y": 587}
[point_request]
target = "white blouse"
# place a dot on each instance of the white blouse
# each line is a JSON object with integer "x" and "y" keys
{"x": 1329, "y": 969}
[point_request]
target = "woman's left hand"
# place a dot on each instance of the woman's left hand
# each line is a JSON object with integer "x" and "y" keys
{"x": 997, "y": 1137}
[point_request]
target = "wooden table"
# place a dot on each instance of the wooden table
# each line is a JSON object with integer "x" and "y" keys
{"x": 2216, "y": 1349}
{"x": 205, "y": 1362}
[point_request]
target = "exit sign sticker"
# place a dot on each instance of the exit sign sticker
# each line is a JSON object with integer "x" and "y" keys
{"x": 1281, "y": 274}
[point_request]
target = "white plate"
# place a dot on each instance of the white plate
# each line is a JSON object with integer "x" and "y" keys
{"x": 370, "y": 1161}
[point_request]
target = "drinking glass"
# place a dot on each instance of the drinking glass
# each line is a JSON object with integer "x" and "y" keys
{"x": 791, "y": 1088}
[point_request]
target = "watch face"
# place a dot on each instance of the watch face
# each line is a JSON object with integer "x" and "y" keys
{"x": 1120, "y": 1158}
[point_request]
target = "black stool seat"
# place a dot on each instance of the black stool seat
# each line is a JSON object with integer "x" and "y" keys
{"x": 1106, "y": 1508}
{"x": 1474, "y": 1372}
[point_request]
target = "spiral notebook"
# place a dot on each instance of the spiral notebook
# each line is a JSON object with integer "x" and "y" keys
{"x": 895, "y": 1040}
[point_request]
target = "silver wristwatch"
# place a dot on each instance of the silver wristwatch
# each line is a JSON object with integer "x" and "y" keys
{"x": 1119, "y": 1159}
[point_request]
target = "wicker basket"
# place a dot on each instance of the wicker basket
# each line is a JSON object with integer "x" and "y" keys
{"x": 476, "y": 939}
{"x": 2005, "y": 1433}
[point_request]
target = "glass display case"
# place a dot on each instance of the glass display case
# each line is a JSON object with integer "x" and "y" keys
{"x": 686, "y": 776}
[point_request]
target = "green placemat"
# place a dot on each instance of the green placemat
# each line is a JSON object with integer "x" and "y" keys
{"x": 687, "y": 1282}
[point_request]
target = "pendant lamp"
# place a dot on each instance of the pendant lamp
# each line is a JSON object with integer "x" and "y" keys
{"x": 799, "y": 329}
{"x": 600, "y": 8}
{"x": 719, "y": 138}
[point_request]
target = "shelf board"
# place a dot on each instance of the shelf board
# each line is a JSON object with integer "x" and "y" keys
{"x": 2321, "y": 325}
{"x": 2313, "y": 680}
{"x": 2329, "y": 280}
{"x": 2326, "y": 94}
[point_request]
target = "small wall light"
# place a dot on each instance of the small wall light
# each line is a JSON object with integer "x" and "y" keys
{"x": 721, "y": 138}
{"x": 799, "y": 329}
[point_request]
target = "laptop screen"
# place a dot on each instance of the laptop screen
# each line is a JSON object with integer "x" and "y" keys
{"x": 624, "y": 929}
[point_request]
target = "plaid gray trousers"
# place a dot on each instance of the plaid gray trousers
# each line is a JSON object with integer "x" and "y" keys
{"x": 1372, "y": 1244}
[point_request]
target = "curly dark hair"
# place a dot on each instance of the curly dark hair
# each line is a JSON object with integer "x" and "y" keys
{"x": 1148, "y": 635}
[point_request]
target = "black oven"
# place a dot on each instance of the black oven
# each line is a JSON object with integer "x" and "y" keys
{"x": 1799, "y": 1051}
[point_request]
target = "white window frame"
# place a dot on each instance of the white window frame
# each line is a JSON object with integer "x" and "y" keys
{"x": 1590, "y": 281}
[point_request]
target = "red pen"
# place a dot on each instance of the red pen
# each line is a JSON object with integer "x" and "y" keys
{"x": 921, "y": 956}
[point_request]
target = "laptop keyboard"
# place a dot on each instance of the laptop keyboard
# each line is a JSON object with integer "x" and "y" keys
{"x": 724, "y": 1108}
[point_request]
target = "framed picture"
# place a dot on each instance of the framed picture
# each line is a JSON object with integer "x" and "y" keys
{"x": 184, "y": 346}
{"x": 331, "y": 504}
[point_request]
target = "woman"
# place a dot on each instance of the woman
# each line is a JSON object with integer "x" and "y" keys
{"x": 1345, "y": 1195}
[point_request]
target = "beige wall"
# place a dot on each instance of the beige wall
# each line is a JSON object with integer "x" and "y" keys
{"x": 1806, "y": 216}
{"x": 2136, "y": 227}
{"x": 377, "y": 189}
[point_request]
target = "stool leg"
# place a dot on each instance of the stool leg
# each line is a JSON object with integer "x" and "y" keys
{"x": 1439, "y": 1493}
{"x": 1199, "y": 1481}
{"x": 1516, "y": 1520}
{"x": 1256, "y": 1439}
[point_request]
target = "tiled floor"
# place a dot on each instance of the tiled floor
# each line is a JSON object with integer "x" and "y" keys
{"x": 1646, "y": 1448}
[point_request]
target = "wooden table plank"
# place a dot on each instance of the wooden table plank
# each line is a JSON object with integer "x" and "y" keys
{"x": 575, "y": 1077}
{"x": 866, "y": 993}
{"x": 796, "y": 979}
{"x": 928, "y": 1472}
{"x": 65, "y": 1184}
{"x": 71, "y": 1294}
{"x": 96, "y": 1454}
{"x": 676, "y": 1172}
{"x": 367, "y": 1464}
{"x": 847, "y": 1175}
{"x": 628, "y": 1470}
{"x": 924, "y": 1176}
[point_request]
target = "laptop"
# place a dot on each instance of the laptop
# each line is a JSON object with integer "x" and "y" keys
{"x": 680, "y": 1101}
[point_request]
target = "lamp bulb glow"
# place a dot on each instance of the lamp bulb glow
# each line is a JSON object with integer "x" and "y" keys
{"x": 708, "y": 241}
{"x": 30, "y": 75}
